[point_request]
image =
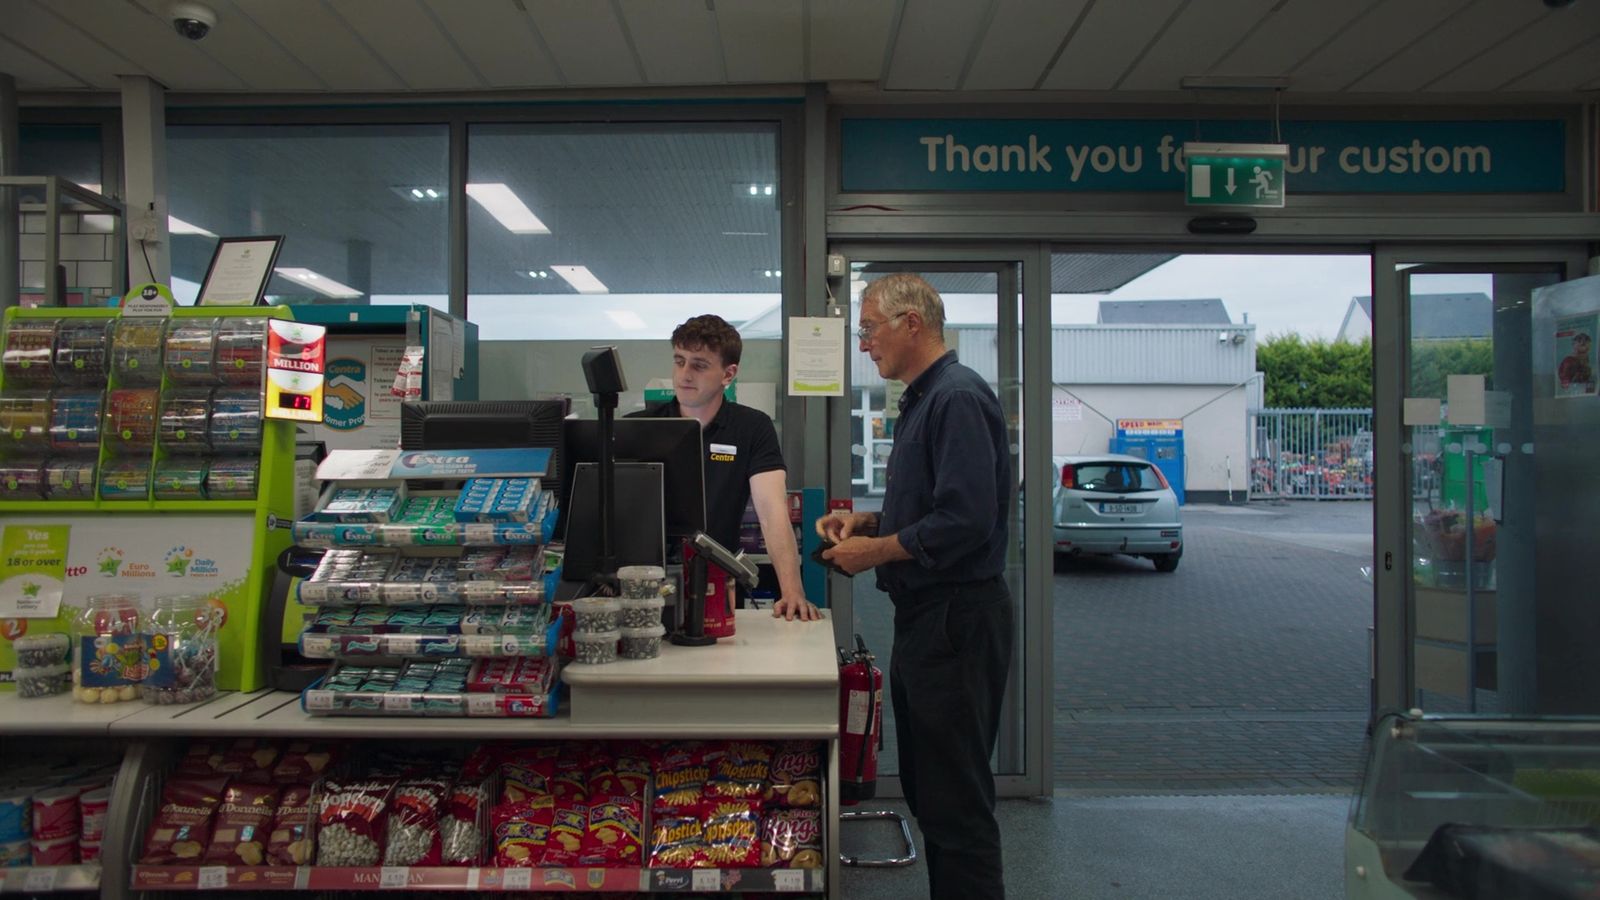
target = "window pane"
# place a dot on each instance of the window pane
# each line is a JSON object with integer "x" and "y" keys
{"x": 66, "y": 151}
{"x": 345, "y": 198}
{"x": 653, "y": 224}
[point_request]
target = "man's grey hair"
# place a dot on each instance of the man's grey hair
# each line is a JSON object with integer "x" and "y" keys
{"x": 905, "y": 292}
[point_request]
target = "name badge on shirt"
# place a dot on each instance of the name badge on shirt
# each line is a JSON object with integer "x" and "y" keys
{"x": 723, "y": 452}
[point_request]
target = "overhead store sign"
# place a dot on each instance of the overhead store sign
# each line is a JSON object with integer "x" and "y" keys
{"x": 1523, "y": 156}
{"x": 1235, "y": 174}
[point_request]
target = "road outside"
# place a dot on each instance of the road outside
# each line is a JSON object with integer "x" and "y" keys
{"x": 1245, "y": 669}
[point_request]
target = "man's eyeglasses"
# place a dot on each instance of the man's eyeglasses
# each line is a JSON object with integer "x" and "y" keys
{"x": 865, "y": 332}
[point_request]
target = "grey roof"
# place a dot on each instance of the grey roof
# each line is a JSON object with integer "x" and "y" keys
{"x": 1208, "y": 311}
{"x": 1440, "y": 317}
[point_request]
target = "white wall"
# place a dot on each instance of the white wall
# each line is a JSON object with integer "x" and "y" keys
{"x": 1213, "y": 437}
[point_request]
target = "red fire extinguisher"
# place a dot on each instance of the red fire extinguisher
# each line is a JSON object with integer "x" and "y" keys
{"x": 860, "y": 724}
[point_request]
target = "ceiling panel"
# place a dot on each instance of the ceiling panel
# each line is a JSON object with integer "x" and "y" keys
{"x": 501, "y": 40}
{"x": 1201, "y": 34}
{"x": 762, "y": 40}
{"x": 238, "y": 44}
{"x": 1566, "y": 72}
{"x": 676, "y": 40}
{"x": 1385, "y": 30}
{"x": 1547, "y": 38}
{"x": 849, "y": 39}
{"x": 405, "y": 35}
{"x": 1472, "y": 32}
{"x": 159, "y": 50}
{"x": 1111, "y": 37}
{"x": 1288, "y": 35}
{"x": 933, "y": 44}
{"x": 1021, "y": 40}
{"x": 323, "y": 43}
{"x": 586, "y": 41}
{"x": 33, "y": 73}
{"x": 57, "y": 39}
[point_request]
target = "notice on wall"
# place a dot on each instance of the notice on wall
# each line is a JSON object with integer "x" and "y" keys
{"x": 1067, "y": 409}
{"x": 816, "y": 357}
{"x": 33, "y": 570}
{"x": 1575, "y": 356}
{"x": 361, "y": 411}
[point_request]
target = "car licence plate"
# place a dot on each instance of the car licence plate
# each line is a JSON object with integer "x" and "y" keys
{"x": 1119, "y": 508}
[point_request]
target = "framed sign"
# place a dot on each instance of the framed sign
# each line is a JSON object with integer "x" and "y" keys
{"x": 239, "y": 271}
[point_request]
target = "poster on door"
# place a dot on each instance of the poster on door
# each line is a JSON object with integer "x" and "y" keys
{"x": 361, "y": 413}
{"x": 1575, "y": 356}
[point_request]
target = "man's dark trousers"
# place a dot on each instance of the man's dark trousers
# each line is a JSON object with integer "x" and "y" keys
{"x": 947, "y": 677}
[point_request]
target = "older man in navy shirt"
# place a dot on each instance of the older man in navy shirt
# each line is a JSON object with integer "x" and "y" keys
{"x": 939, "y": 548}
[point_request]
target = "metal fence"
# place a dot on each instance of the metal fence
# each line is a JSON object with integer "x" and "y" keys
{"x": 1312, "y": 454}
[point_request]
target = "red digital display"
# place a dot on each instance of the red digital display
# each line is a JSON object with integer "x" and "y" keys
{"x": 287, "y": 400}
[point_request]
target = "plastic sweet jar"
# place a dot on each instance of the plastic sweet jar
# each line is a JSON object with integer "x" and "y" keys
{"x": 108, "y": 654}
{"x": 181, "y": 650}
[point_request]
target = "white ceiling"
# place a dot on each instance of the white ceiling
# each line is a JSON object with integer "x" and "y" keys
{"x": 1495, "y": 49}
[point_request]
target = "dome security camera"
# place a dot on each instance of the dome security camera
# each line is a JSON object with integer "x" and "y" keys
{"x": 193, "y": 20}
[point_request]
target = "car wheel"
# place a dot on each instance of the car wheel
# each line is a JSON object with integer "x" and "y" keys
{"x": 1166, "y": 562}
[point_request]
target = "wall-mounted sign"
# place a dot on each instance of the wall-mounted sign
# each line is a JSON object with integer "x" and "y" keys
{"x": 1235, "y": 174}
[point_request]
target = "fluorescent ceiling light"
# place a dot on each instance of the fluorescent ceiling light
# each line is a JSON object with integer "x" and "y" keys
{"x": 625, "y": 319}
{"x": 176, "y": 225}
{"x": 503, "y": 203}
{"x": 319, "y": 283}
{"x": 581, "y": 279}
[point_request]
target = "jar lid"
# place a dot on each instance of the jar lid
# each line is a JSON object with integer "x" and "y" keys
{"x": 597, "y": 637}
{"x": 641, "y": 573}
{"x": 595, "y": 604}
{"x": 653, "y": 602}
{"x": 54, "y": 670}
{"x": 54, "y": 641}
{"x": 649, "y": 631}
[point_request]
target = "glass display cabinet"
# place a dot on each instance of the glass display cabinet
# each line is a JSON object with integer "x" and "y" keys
{"x": 1476, "y": 807}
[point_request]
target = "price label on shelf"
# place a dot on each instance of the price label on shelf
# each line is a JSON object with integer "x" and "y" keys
{"x": 317, "y": 646}
{"x": 517, "y": 879}
{"x": 212, "y": 878}
{"x": 705, "y": 880}
{"x": 398, "y": 645}
{"x": 394, "y": 877}
{"x": 482, "y": 705}
{"x": 788, "y": 879}
{"x": 41, "y": 880}
{"x": 477, "y": 533}
{"x": 478, "y": 644}
{"x": 319, "y": 699}
{"x": 397, "y": 703}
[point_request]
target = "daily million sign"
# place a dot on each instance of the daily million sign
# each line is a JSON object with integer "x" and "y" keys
{"x": 296, "y": 357}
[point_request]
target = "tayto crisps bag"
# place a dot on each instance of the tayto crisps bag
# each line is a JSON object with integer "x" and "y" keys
{"x": 244, "y": 823}
{"x": 181, "y": 829}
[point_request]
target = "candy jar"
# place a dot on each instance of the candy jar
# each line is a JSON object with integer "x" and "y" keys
{"x": 181, "y": 647}
{"x": 108, "y": 656}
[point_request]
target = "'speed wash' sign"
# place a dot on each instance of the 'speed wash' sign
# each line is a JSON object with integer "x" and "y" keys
{"x": 1130, "y": 155}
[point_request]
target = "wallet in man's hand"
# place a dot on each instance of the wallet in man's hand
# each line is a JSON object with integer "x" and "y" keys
{"x": 830, "y": 565}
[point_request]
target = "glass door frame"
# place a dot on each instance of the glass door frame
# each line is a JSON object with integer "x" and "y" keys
{"x": 1032, "y": 674}
{"x": 1392, "y": 645}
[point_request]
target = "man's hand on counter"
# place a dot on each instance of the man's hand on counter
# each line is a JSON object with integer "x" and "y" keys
{"x": 791, "y": 608}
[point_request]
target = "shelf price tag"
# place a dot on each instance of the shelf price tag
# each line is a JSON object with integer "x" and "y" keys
{"x": 788, "y": 880}
{"x": 318, "y": 647}
{"x": 212, "y": 878}
{"x": 397, "y": 645}
{"x": 319, "y": 699}
{"x": 516, "y": 879}
{"x": 483, "y": 705}
{"x": 705, "y": 880}
{"x": 478, "y": 644}
{"x": 393, "y": 877}
{"x": 396, "y": 703}
{"x": 41, "y": 880}
{"x": 477, "y": 534}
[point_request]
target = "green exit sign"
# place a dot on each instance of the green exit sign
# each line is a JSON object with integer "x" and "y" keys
{"x": 1235, "y": 174}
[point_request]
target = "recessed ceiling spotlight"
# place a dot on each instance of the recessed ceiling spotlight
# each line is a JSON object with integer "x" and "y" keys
{"x": 417, "y": 193}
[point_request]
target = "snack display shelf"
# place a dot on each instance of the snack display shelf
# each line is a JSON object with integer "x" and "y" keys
{"x": 411, "y": 593}
{"x": 59, "y": 715}
{"x": 437, "y": 705}
{"x": 455, "y": 534}
{"x": 427, "y": 646}
{"x": 49, "y": 879}
{"x": 464, "y": 878}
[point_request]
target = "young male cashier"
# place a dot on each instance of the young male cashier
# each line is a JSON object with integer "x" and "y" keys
{"x": 743, "y": 460}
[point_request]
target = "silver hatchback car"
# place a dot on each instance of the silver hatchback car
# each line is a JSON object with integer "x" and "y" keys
{"x": 1112, "y": 503}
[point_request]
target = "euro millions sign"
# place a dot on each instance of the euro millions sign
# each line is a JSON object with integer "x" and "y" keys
{"x": 1248, "y": 175}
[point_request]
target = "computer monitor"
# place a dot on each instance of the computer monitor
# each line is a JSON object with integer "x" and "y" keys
{"x": 487, "y": 424}
{"x": 638, "y": 533}
{"x": 675, "y": 443}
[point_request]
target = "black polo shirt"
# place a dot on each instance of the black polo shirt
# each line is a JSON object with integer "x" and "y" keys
{"x": 739, "y": 442}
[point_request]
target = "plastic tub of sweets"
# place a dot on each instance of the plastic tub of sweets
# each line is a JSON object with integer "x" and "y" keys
{"x": 641, "y": 612}
{"x": 641, "y": 581}
{"x": 38, "y": 650}
{"x": 596, "y": 613}
{"x": 43, "y": 681}
{"x": 642, "y": 643}
{"x": 593, "y": 648}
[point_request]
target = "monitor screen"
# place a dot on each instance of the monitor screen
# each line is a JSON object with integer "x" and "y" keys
{"x": 486, "y": 424}
{"x": 675, "y": 443}
{"x": 637, "y": 538}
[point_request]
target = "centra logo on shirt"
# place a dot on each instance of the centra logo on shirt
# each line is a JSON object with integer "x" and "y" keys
{"x": 723, "y": 452}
